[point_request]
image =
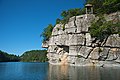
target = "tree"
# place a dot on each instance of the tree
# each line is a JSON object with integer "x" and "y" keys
{"x": 58, "y": 21}
{"x": 70, "y": 13}
{"x": 47, "y": 32}
{"x": 102, "y": 28}
{"x": 104, "y": 6}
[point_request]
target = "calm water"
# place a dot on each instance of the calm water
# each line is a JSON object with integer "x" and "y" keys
{"x": 44, "y": 71}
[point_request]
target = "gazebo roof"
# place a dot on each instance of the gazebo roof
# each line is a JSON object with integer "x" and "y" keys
{"x": 88, "y": 5}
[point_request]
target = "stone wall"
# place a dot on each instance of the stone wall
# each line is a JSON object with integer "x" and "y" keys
{"x": 75, "y": 46}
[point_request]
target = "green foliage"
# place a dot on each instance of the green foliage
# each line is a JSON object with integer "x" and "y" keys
{"x": 34, "y": 56}
{"x": 58, "y": 21}
{"x": 105, "y": 6}
{"x": 63, "y": 27}
{"x": 101, "y": 28}
{"x": 70, "y": 13}
{"x": 47, "y": 32}
{"x": 5, "y": 57}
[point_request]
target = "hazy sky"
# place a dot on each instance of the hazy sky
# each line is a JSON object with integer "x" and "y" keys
{"x": 22, "y": 22}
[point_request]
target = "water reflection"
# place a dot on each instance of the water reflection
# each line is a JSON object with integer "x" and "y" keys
{"x": 23, "y": 71}
{"x": 41, "y": 71}
{"x": 83, "y": 73}
{"x": 58, "y": 72}
{"x": 2, "y": 68}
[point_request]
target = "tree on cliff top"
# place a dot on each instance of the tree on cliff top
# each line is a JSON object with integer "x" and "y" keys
{"x": 69, "y": 13}
{"x": 47, "y": 32}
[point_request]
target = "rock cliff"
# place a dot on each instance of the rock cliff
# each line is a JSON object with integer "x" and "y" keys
{"x": 72, "y": 44}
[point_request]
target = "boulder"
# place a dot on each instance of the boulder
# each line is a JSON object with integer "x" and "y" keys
{"x": 66, "y": 26}
{"x": 84, "y": 51}
{"x": 73, "y": 50}
{"x": 88, "y": 39}
{"x": 63, "y": 39}
{"x": 84, "y": 23}
{"x": 72, "y": 39}
{"x": 51, "y": 40}
{"x": 79, "y": 21}
{"x": 55, "y": 31}
{"x": 71, "y": 30}
{"x": 103, "y": 53}
{"x": 80, "y": 39}
{"x": 76, "y": 39}
{"x": 113, "y": 54}
{"x": 71, "y": 23}
{"x": 94, "y": 54}
{"x": 113, "y": 41}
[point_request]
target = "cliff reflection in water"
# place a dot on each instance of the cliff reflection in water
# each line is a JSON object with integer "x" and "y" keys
{"x": 83, "y": 73}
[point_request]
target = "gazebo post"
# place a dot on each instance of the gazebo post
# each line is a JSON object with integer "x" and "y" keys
{"x": 89, "y": 8}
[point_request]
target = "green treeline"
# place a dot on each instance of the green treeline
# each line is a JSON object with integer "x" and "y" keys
{"x": 100, "y": 7}
{"x": 101, "y": 29}
{"x": 34, "y": 56}
{"x": 28, "y": 56}
{"x": 5, "y": 57}
{"x": 105, "y": 6}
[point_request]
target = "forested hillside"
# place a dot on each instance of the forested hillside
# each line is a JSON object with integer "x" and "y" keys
{"x": 28, "y": 56}
{"x": 34, "y": 56}
{"x": 5, "y": 57}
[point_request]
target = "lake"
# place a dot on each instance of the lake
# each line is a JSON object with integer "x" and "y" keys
{"x": 44, "y": 71}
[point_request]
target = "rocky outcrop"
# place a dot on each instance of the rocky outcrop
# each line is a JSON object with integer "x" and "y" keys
{"x": 72, "y": 44}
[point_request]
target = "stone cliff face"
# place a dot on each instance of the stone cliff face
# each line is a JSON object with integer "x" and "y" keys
{"x": 72, "y": 44}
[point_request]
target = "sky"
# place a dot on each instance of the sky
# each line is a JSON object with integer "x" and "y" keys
{"x": 22, "y": 22}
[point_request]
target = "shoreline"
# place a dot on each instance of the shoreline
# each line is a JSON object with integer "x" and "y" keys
{"x": 87, "y": 65}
